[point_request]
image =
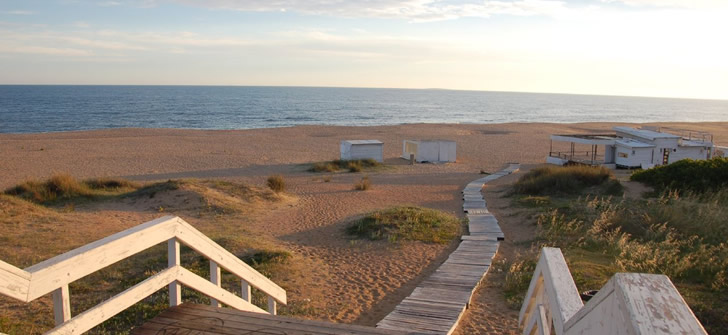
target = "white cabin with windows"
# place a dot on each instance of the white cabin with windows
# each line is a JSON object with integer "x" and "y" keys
{"x": 631, "y": 148}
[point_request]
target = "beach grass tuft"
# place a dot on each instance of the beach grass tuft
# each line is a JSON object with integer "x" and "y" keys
{"x": 569, "y": 180}
{"x": 410, "y": 223}
{"x": 357, "y": 165}
{"x": 364, "y": 184}
{"x": 276, "y": 183}
{"x": 62, "y": 187}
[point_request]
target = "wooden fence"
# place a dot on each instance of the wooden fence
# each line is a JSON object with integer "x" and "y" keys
{"x": 54, "y": 275}
{"x": 630, "y": 303}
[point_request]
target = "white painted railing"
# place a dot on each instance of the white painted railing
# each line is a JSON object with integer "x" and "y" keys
{"x": 630, "y": 303}
{"x": 54, "y": 275}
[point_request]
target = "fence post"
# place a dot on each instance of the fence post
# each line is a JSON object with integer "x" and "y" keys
{"x": 272, "y": 306}
{"x": 61, "y": 305}
{"x": 215, "y": 279}
{"x": 173, "y": 259}
{"x": 245, "y": 290}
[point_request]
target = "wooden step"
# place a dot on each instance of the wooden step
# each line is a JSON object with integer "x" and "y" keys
{"x": 202, "y": 319}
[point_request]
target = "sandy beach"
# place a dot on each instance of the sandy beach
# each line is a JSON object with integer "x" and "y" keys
{"x": 353, "y": 282}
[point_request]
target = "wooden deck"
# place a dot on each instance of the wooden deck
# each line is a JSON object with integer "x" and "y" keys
{"x": 201, "y": 319}
{"x": 437, "y": 304}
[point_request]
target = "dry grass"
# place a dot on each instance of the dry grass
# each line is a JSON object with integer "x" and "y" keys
{"x": 364, "y": 184}
{"x": 567, "y": 180}
{"x": 62, "y": 187}
{"x": 221, "y": 210}
{"x": 276, "y": 183}
{"x": 350, "y": 165}
{"x": 682, "y": 237}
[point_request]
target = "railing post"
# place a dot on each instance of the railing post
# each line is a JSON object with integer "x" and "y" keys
{"x": 173, "y": 259}
{"x": 245, "y": 293}
{"x": 215, "y": 279}
{"x": 272, "y": 306}
{"x": 61, "y": 305}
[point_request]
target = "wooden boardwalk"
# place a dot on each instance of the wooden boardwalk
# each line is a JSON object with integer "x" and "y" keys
{"x": 438, "y": 303}
{"x": 202, "y": 319}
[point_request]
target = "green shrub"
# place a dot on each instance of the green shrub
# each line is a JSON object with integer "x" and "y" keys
{"x": 687, "y": 175}
{"x": 277, "y": 183}
{"x": 566, "y": 180}
{"x": 407, "y": 223}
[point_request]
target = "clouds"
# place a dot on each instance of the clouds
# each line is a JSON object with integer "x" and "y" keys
{"x": 18, "y": 12}
{"x": 688, "y": 4}
{"x": 412, "y": 10}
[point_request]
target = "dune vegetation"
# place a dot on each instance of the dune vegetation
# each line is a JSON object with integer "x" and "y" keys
{"x": 66, "y": 213}
{"x": 336, "y": 165}
{"x": 680, "y": 233}
{"x": 407, "y": 223}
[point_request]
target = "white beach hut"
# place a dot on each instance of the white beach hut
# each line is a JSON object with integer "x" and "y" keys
{"x": 362, "y": 149}
{"x": 633, "y": 154}
{"x": 429, "y": 150}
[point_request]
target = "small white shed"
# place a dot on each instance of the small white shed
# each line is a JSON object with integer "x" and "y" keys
{"x": 429, "y": 150}
{"x": 362, "y": 149}
{"x": 634, "y": 154}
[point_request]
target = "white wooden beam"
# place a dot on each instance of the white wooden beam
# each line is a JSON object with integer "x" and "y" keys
{"x": 204, "y": 286}
{"x": 215, "y": 278}
{"x": 78, "y": 263}
{"x": 105, "y": 310}
{"x": 173, "y": 259}
{"x": 208, "y": 248}
{"x": 61, "y": 305}
{"x": 14, "y": 282}
{"x": 245, "y": 290}
{"x": 272, "y": 306}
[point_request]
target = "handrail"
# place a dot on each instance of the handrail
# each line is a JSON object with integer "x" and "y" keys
{"x": 54, "y": 275}
{"x": 630, "y": 303}
{"x": 551, "y": 286}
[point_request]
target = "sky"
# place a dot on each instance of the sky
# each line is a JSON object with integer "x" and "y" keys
{"x": 660, "y": 48}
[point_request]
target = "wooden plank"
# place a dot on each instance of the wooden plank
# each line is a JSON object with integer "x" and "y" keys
{"x": 105, "y": 310}
{"x": 474, "y": 204}
{"x": 14, "y": 282}
{"x": 236, "y": 322}
{"x": 61, "y": 305}
{"x": 216, "y": 279}
{"x": 478, "y": 238}
{"x": 187, "y": 278}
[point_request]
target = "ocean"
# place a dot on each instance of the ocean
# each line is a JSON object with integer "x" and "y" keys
{"x": 32, "y": 109}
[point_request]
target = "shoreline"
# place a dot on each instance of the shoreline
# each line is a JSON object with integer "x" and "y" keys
{"x": 667, "y": 123}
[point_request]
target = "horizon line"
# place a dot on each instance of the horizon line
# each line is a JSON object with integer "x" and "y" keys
{"x": 385, "y": 88}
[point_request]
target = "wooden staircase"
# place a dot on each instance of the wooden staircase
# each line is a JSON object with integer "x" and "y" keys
{"x": 202, "y": 319}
